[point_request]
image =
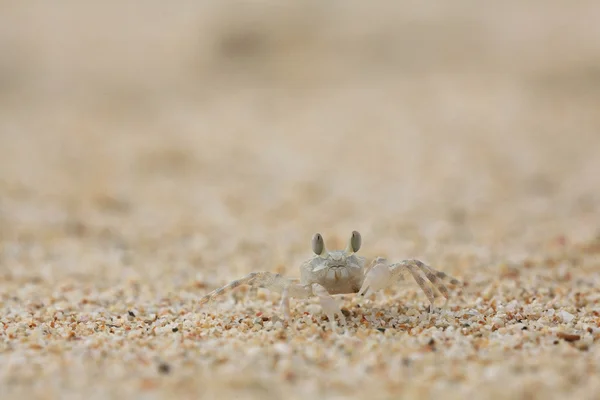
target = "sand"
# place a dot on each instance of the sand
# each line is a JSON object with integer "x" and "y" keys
{"x": 151, "y": 154}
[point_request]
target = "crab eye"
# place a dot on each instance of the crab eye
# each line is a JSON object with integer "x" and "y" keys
{"x": 318, "y": 245}
{"x": 355, "y": 241}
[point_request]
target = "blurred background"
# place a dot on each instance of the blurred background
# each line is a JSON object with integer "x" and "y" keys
{"x": 208, "y": 139}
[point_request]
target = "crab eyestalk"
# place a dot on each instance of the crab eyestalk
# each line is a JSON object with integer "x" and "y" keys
{"x": 318, "y": 245}
{"x": 354, "y": 242}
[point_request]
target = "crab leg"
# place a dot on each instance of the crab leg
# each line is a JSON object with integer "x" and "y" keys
{"x": 266, "y": 280}
{"x": 330, "y": 306}
{"x": 383, "y": 275}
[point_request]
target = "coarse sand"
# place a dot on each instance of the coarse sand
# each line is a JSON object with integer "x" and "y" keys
{"x": 151, "y": 154}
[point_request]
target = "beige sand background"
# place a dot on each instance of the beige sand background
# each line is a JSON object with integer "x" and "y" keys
{"x": 150, "y": 153}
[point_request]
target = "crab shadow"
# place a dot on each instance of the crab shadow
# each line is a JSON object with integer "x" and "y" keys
{"x": 399, "y": 317}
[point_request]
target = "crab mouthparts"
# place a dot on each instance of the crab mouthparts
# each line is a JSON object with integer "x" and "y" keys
{"x": 337, "y": 272}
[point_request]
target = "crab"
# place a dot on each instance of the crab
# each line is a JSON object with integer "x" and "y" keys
{"x": 333, "y": 272}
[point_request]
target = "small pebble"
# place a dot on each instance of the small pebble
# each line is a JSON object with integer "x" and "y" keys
{"x": 566, "y": 316}
{"x": 164, "y": 368}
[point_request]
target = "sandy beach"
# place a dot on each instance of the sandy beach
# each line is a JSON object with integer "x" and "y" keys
{"x": 150, "y": 154}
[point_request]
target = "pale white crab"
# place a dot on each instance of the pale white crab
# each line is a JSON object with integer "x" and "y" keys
{"x": 341, "y": 272}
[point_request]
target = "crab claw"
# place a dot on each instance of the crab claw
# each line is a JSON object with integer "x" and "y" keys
{"x": 379, "y": 277}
